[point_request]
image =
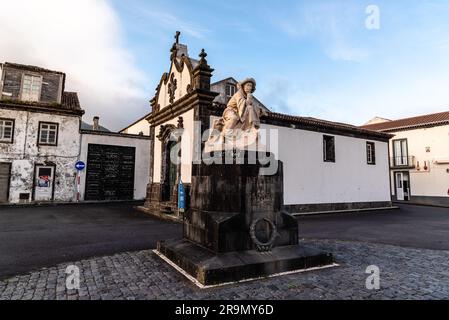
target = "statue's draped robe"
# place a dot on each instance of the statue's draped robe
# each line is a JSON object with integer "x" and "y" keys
{"x": 240, "y": 114}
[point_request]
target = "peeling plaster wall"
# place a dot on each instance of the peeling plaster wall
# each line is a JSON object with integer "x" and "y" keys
{"x": 24, "y": 153}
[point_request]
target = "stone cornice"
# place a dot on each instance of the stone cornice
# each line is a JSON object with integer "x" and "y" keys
{"x": 42, "y": 108}
{"x": 114, "y": 134}
{"x": 189, "y": 101}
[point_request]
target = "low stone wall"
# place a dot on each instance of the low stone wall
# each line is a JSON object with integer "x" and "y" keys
{"x": 329, "y": 207}
{"x": 428, "y": 201}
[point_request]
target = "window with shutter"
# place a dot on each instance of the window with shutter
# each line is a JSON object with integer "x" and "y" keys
{"x": 371, "y": 153}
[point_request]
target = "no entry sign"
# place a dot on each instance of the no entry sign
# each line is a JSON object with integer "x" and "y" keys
{"x": 80, "y": 166}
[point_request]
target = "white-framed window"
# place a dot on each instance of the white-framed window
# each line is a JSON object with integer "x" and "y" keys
{"x": 371, "y": 153}
{"x": 230, "y": 90}
{"x": 6, "y": 130}
{"x": 31, "y": 88}
{"x": 48, "y": 134}
{"x": 400, "y": 150}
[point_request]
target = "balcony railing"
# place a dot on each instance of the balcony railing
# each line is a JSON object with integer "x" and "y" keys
{"x": 403, "y": 162}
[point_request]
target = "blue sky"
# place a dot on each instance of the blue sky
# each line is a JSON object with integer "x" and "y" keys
{"x": 310, "y": 58}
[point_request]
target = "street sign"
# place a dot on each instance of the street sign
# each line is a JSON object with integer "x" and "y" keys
{"x": 181, "y": 197}
{"x": 80, "y": 166}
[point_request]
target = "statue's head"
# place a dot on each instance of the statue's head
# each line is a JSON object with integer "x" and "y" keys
{"x": 248, "y": 85}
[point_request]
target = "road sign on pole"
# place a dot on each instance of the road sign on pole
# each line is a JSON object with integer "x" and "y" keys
{"x": 79, "y": 166}
{"x": 181, "y": 197}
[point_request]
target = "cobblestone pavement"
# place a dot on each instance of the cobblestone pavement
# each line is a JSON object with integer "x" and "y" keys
{"x": 405, "y": 274}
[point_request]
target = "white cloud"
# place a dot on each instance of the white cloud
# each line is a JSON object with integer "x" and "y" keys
{"x": 83, "y": 39}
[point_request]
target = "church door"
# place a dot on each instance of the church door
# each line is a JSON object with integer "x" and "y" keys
{"x": 170, "y": 173}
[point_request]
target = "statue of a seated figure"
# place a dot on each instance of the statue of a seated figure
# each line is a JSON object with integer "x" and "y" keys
{"x": 240, "y": 123}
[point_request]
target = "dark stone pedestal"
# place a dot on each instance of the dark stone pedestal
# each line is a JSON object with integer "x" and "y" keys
{"x": 213, "y": 269}
{"x": 235, "y": 228}
{"x": 226, "y": 199}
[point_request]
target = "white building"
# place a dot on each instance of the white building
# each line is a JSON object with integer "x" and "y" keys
{"x": 328, "y": 166}
{"x": 139, "y": 127}
{"x": 117, "y": 166}
{"x": 419, "y": 161}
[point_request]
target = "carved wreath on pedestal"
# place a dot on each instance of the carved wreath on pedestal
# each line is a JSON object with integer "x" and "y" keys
{"x": 263, "y": 246}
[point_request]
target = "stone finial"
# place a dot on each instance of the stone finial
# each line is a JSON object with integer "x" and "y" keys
{"x": 202, "y": 73}
{"x": 203, "y": 55}
{"x": 178, "y": 33}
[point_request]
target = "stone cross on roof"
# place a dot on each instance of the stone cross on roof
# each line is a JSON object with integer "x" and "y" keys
{"x": 178, "y": 33}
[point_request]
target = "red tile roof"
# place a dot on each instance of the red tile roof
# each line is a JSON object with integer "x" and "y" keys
{"x": 308, "y": 122}
{"x": 410, "y": 123}
{"x": 70, "y": 101}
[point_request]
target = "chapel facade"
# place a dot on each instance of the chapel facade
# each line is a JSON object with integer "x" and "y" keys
{"x": 328, "y": 166}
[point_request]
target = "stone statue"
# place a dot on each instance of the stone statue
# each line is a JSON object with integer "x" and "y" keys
{"x": 240, "y": 122}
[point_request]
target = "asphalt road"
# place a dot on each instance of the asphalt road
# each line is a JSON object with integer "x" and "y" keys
{"x": 411, "y": 226}
{"x": 35, "y": 237}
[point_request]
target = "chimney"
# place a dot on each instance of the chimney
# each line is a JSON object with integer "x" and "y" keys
{"x": 96, "y": 126}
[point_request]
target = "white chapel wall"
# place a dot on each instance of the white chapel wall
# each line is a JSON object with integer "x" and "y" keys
{"x": 310, "y": 180}
{"x": 183, "y": 80}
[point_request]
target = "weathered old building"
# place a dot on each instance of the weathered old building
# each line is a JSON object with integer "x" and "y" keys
{"x": 39, "y": 135}
{"x": 42, "y": 137}
{"x": 419, "y": 162}
{"x": 328, "y": 166}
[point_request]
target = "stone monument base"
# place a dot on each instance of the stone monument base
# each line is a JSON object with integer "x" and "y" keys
{"x": 235, "y": 228}
{"x": 210, "y": 268}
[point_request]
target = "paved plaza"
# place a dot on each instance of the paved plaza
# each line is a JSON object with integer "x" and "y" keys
{"x": 404, "y": 274}
{"x": 112, "y": 247}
